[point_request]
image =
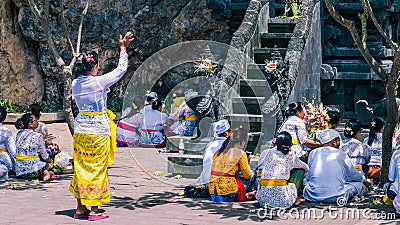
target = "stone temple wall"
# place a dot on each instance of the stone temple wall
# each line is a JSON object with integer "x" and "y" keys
{"x": 28, "y": 73}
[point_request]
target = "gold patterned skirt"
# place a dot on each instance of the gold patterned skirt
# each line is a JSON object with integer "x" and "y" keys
{"x": 90, "y": 180}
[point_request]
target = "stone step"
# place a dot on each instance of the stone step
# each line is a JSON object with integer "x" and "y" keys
{"x": 281, "y": 25}
{"x": 347, "y": 52}
{"x": 252, "y": 87}
{"x": 348, "y": 6}
{"x": 186, "y": 165}
{"x": 277, "y": 9}
{"x": 239, "y": 6}
{"x": 282, "y": 21}
{"x": 234, "y": 24}
{"x": 279, "y": 5}
{"x": 276, "y": 36}
{"x": 251, "y": 122}
{"x": 193, "y": 148}
{"x": 239, "y": 1}
{"x": 349, "y": 65}
{"x": 197, "y": 148}
{"x": 173, "y": 142}
{"x": 269, "y": 40}
{"x": 45, "y": 117}
{"x": 261, "y": 54}
{"x": 255, "y": 71}
{"x": 247, "y": 105}
{"x": 352, "y": 76}
{"x": 192, "y": 165}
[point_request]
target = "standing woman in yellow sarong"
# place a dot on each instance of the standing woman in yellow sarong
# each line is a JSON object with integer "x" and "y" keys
{"x": 94, "y": 139}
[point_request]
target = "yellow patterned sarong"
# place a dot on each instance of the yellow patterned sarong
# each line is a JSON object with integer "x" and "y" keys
{"x": 91, "y": 159}
{"x": 113, "y": 131}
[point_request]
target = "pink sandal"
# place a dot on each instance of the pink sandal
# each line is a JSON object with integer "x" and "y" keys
{"x": 97, "y": 217}
{"x": 80, "y": 216}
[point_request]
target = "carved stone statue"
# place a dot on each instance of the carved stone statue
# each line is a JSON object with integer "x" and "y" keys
{"x": 276, "y": 74}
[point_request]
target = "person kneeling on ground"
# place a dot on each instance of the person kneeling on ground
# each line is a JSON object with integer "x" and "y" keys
{"x": 32, "y": 159}
{"x": 331, "y": 175}
{"x": 275, "y": 191}
{"x": 225, "y": 185}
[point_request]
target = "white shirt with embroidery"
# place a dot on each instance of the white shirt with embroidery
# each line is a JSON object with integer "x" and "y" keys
{"x": 90, "y": 94}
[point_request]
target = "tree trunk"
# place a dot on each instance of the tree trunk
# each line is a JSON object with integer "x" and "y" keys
{"x": 391, "y": 120}
{"x": 67, "y": 98}
{"x": 392, "y": 115}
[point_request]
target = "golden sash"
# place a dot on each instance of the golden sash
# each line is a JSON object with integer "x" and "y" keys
{"x": 113, "y": 131}
{"x": 295, "y": 141}
{"x": 273, "y": 182}
{"x": 358, "y": 167}
{"x": 21, "y": 157}
{"x": 3, "y": 150}
{"x": 191, "y": 117}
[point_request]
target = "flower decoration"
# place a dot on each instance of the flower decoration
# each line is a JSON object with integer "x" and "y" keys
{"x": 206, "y": 66}
{"x": 316, "y": 118}
{"x": 373, "y": 123}
{"x": 271, "y": 65}
{"x": 89, "y": 58}
{"x": 80, "y": 57}
{"x": 348, "y": 128}
{"x": 396, "y": 133}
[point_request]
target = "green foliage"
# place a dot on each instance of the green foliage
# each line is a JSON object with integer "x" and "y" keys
{"x": 15, "y": 108}
{"x": 51, "y": 107}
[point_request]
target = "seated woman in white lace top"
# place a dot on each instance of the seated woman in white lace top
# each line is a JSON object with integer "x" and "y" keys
{"x": 274, "y": 190}
{"x": 32, "y": 160}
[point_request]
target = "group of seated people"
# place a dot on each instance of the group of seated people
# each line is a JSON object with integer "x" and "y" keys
{"x": 297, "y": 168}
{"x": 31, "y": 155}
{"x": 148, "y": 124}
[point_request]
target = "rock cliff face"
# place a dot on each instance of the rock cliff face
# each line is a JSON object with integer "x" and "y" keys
{"x": 28, "y": 72}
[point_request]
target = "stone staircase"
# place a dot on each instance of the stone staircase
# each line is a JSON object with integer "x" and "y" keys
{"x": 252, "y": 88}
{"x": 271, "y": 35}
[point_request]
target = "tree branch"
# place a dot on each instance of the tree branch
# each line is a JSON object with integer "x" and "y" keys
{"x": 36, "y": 11}
{"x": 46, "y": 29}
{"x": 350, "y": 25}
{"x": 367, "y": 7}
{"x": 364, "y": 30}
{"x": 65, "y": 28}
{"x": 46, "y": 11}
{"x": 81, "y": 25}
{"x": 78, "y": 42}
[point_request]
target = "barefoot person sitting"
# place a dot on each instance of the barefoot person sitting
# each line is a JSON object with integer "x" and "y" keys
{"x": 274, "y": 190}
{"x": 331, "y": 175}
{"x": 32, "y": 159}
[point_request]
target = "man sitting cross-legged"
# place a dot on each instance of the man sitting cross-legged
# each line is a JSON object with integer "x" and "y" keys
{"x": 331, "y": 173}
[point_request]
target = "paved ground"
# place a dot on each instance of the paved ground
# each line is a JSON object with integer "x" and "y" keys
{"x": 141, "y": 197}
